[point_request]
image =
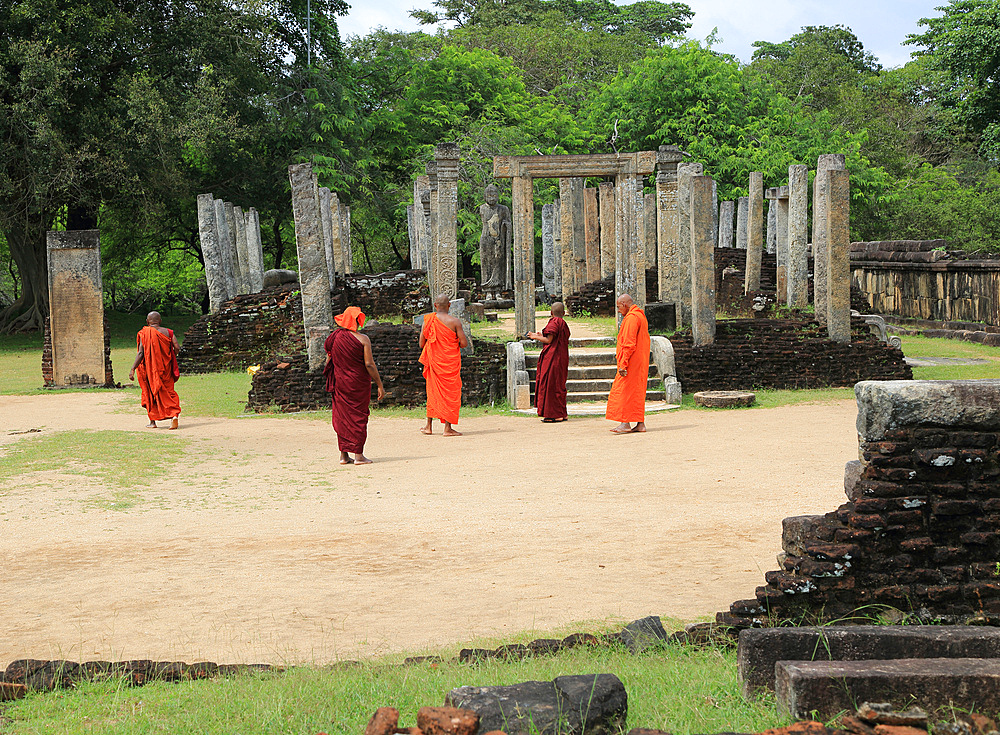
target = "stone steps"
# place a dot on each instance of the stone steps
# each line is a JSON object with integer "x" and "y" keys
{"x": 597, "y": 386}
{"x": 591, "y": 374}
{"x": 602, "y": 396}
{"x": 577, "y": 359}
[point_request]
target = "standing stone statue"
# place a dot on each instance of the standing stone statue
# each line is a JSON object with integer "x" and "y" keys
{"x": 494, "y": 244}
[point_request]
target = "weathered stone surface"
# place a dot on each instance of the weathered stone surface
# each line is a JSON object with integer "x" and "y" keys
{"x": 447, "y": 156}
{"x": 760, "y": 649}
{"x": 630, "y": 253}
{"x": 883, "y": 713}
{"x": 648, "y": 229}
{"x": 239, "y": 219}
{"x": 726, "y": 215}
{"x": 10, "y": 691}
{"x": 828, "y": 687}
{"x": 836, "y": 186}
{"x": 606, "y": 212}
{"x": 742, "y": 212}
{"x": 326, "y": 217}
{"x": 667, "y": 248}
{"x": 591, "y": 234}
{"x": 643, "y": 633}
{"x": 725, "y": 398}
{"x": 255, "y": 251}
{"x": 447, "y": 721}
{"x": 781, "y": 242}
{"x": 548, "y": 251}
{"x": 661, "y": 316}
{"x": 383, "y": 722}
{"x": 214, "y": 274}
{"x": 772, "y": 226}
{"x": 819, "y": 235}
{"x": 755, "y": 232}
{"x": 573, "y": 240}
{"x": 702, "y": 262}
{"x": 224, "y": 239}
{"x": 574, "y": 705}
{"x": 798, "y": 236}
{"x": 524, "y": 255}
{"x": 887, "y": 405}
{"x": 685, "y": 172}
{"x": 278, "y": 276}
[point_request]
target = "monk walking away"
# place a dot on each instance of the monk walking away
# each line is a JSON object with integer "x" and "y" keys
{"x": 349, "y": 372}
{"x": 627, "y": 400}
{"x": 553, "y": 366}
{"x": 441, "y": 340}
{"x": 156, "y": 365}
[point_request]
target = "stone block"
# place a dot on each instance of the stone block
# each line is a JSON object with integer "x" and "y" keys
{"x": 522, "y": 396}
{"x": 887, "y": 405}
{"x": 9, "y": 691}
{"x": 383, "y": 722}
{"x": 824, "y": 688}
{"x": 447, "y": 721}
{"x": 760, "y": 649}
{"x": 641, "y": 634}
{"x": 277, "y": 277}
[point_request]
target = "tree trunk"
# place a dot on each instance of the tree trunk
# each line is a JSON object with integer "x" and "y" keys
{"x": 27, "y": 247}
{"x": 279, "y": 245}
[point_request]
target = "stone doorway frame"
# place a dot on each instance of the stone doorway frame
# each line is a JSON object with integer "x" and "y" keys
{"x": 629, "y": 169}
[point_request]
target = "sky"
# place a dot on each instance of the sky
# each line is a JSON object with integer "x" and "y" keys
{"x": 882, "y": 25}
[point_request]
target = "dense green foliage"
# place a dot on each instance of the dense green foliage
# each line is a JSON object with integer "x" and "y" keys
{"x": 117, "y": 115}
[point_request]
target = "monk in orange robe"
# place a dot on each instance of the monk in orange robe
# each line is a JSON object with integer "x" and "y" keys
{"x": 627, "y": 401}
{"x": 441, "y": 339}
{"x": 156, "y": 365}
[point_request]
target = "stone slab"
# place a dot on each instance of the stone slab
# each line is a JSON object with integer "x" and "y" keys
{"x": 970, "y": 405}
{"x": 821, "y": 689}
{"x": 761, "y": 648}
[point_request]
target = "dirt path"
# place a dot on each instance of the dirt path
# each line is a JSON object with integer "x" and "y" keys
{"x": 261, "y": 547}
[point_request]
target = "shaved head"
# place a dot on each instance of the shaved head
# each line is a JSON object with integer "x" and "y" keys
{"x": 624, "y": 303}
{"x": 442, "y": 302}
{"x": 558, "y": 309}
{"x": 153, "y": 317}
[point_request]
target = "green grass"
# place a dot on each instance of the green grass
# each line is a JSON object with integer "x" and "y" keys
{"x": 122, "y": 461}
{"x": 933, "y": 347}
{"x": 682, "y": 689}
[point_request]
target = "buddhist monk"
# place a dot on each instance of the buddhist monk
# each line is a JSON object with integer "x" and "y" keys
{"x": 156, "y": 365}
{"x": 553, "y": 366}
{"x": 350, "y": 370}
{"x": 441, "y": 339}
{"x": 627, "y": 401}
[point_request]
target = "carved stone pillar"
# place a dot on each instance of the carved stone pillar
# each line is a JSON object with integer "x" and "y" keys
{"x": 821, "y": 255}
{"x": 667, "y": 227}
{"x": 798, "y": 236}
{"x": 607, "y": 213}
{"x": 755, "y": 232}
{"x": 702, "y": 262}
{"x": 523, "y": 216}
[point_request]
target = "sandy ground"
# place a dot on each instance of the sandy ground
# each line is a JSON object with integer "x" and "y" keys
{"x": 260, "y": 547}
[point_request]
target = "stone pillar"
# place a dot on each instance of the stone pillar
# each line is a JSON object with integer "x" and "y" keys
{"x": 76, "y": 308}
{"x": 781, "y": 244}
{"x": 241, "y": 249}
{"x": 667, "y": 255}
{"x": 411, "y": 234}
{"x": 820, "y": 246}
{"x": 649, "y": 224}
{"x": 685, "y": 171}
{"x": 772, "y": 225}
{"x": 548, "y": 252}
{"x": 726, "y": 213}
{"x": 798, "y": 236}
{"x": 591, "y": 235}
{"x": 835, "y": 185}
{"x": 326, "y": 230}
{"x": 523, "y": 216}
{"x": 234, "y": 257}
{"x": 255, "y": 251}
{"x": 629, "y": 277}
{"x": 742, "y": 212}
{"x": 422, "y": 215}
{"x": 225, "y": 248}
{"x": 333, "y": 244}
{"x": 447, "y": 155}
{"x": 214, "y": 274}
{"x": 702, "y": 262}
{"x": 607, "y": 228}
{"x": 715, "y": 212}
{"x": 432, "y": 270}
{"x": 345, "y": 238}
{"x": 317, "y": 311}
{"x": 755, "y": 232}
{"x": 561, "y": 264}
{"x": 573, "y": 232}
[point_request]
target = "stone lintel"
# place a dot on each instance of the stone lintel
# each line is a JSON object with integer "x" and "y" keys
{"x": 783, "y": 192}
{"x": 574, "y": 166}
{"x": 447, "y": 151}
{"x": 64, "y": 240}
{"x": 966, "y": 404}
{"x": 771, "y": 193}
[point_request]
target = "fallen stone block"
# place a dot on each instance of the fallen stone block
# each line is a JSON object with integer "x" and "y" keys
{"x": 760, "y": 648}
{"x": 824, "y": 688}
{"x": 383, "y": 722}
{"x": 447, "y": 721}
{"x": 9, "y": 691}
{"x": 641, "y": 634}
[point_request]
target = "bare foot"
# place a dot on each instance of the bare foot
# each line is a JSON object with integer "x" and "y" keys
{"x": 173, "y": 422}
{"x": 151, "y": 425}
{"x": 448, "y": 431}
{"x": 427, "y": 431}
{"x": 361, "y": 459}
{"x": 622, "y": 428}
{"x": 346, "y": 460}
{"x": 639, "y": 428}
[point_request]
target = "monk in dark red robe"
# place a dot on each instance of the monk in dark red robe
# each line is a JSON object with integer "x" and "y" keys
{"x": 553, "y": 366}
{"x": 156, "y": 365}
{"x": 349, "y": 371}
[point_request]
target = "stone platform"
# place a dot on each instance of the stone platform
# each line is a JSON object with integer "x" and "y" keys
{"x": 599, "y": 408}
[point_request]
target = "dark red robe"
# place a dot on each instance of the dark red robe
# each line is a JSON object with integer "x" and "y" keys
{"x": 553, "y": 367}
{"x": 348, "y": 381}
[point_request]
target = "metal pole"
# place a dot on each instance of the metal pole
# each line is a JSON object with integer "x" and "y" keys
{"x": 309, "y": 32}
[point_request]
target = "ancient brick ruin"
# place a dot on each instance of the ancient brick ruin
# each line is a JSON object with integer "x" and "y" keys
{"x": 920, "y": 532}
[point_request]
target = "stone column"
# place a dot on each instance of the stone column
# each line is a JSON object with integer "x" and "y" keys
{"x": 726, "y": 213}
{"x": 591, "y": 235}
{"x": 210, "y": 253}
{"x": 333, "y": 244}
{"x": 742, "y": 212}
{"x": 317, "y": 311}
{"x": 432, "y": 253}
{"x": 411, "y": 234}
{"x": 523, "y": 216}
{"x": 755, "y": 232}
{"x": 345, "y": 238}
{"x": 629, "y": 277}
{"x": 649, "y": 224}
{"x": 255, "y": 251}
{"x": 835, "y": 185}
{"x": 225, "y": 248}
{"x": 781, "y": 244}
{"x": 715, "y": 212}
{"x": 573, "y": 232}
{"x": 667, "y": 226}
{"x": 607, "y": 228}
{"x": 561, "y": 264}
{"x": 772, "y": 225}
{"x": 798, "y": 236}
{"x": 685, "y": 172}
{"x": 326, "y": 230}
{"x": 76, "y": 308}
{"x": 702, "y": 262}
{"x": 548, "y": 251}
{"x": 447, "y": 155}
{"x": 242, "y": 253}
{"x": 827, "y": 162}
{"x": 234, "y": 255}
{"x": 422, "y": 214}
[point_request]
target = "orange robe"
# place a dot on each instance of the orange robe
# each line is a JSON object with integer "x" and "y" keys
{"x": 442, "y": 363}
{"x": 157, "y": 373}
{"x": 627, "y": 401}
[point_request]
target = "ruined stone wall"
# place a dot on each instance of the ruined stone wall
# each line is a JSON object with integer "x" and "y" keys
{"x": 913, "y": 279}
{"x": 783, "y": 353}
{"x": 920, "y": 532}
{"x": 285, "y": 384}
{"x": 396, "y": 293}
{"x": 47, "y": 376}
{"x": 597, "y": 298}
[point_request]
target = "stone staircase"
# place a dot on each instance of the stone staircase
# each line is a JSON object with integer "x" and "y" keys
{"x": 591, "y": 373}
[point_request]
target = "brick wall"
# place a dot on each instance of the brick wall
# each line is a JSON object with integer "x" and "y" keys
{"x": 597, "y": 298}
